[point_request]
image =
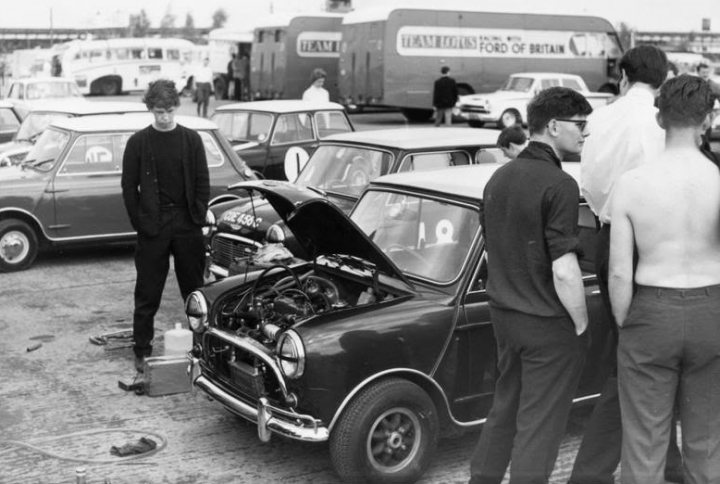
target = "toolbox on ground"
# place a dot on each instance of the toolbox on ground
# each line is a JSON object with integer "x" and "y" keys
{"x": 165, "y": 375}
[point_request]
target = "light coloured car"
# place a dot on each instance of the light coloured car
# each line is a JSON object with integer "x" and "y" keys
{"x": 26, "y": 93}
{"x": 9, "y": 121}
{"x": 14, "y": 151}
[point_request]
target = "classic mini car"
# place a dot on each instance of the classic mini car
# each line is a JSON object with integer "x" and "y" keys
{"x": 340, "y": 169}
{"x": 26, "y": 93}
{"x": 67, "y": 191}
{"x": 9, "y": 121}
{"x": 14, "y": 152}
{"x": 276, "y": 138}
{"x": 380, "y": 341}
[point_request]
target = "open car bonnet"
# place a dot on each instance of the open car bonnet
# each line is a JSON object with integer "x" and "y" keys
{"x": 320, "y": 227}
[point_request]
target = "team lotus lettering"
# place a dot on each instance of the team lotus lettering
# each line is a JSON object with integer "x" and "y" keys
{"x": 468, "y": 42}
{"x": 243, "y": 219}
{"x": 319, "y": 46}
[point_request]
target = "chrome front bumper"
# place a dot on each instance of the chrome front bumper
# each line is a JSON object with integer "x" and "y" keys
{"x": 268, "y": 418}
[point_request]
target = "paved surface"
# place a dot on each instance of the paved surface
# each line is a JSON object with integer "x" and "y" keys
{"x": 69, "y": 386}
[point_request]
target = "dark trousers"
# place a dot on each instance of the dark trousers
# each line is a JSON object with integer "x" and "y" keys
{"x": 539, "y": 361}
{"x": 182, "y": 239}
{"x": 238, "y": 88}
{"x": 670, "y": 344}
{"x": 599, "y": 453}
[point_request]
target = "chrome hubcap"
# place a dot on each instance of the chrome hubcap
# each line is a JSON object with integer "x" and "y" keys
{"x": 14, "y": 246}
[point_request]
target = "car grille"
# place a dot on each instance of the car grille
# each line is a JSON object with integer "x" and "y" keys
{"x": 473, "y": 109}
{"x": 226, "y": 249}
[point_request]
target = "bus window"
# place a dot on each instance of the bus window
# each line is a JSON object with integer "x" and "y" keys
{"x": 137, "y": 53}
{"x": 96, "y": 55}
{"x": 154, "y": 53}
{"x": 172, "y": 54}
{"x": 121, "y": 54}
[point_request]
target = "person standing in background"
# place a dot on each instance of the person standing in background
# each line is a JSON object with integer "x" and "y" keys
{"x": 445, "y": 95}
{"x": 166, "y": 190}
{"x": 238, "y": 75}
{"x": 316, "y": 91}
{"x": 511, "y": 141}
{"x": 203, "y": 78}
{"x": 230, "y": 78}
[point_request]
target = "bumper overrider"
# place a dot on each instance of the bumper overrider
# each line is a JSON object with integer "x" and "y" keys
{"x": 269, "y": 418}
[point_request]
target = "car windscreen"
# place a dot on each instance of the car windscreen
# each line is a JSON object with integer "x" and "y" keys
{"x": 35, "y": 123}
{"x": 42, "y": 90}
{"x": 343, "y": 169}
{"x": 243, "y": 126}
{"x": 47, "y": 150}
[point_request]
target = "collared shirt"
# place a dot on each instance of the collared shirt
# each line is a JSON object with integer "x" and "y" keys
{"x": 317, "y": 94}
{"x": 529, "y": 219}
{"x": 203, "y": 74}
{"x": 623, "y": 135}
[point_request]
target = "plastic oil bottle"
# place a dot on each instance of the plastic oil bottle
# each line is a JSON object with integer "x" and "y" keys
{"x": 178, "y": 341}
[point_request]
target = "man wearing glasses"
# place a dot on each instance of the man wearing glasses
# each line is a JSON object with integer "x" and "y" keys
{"x": 625, "y": 135}
{"x": 537, "y": 299}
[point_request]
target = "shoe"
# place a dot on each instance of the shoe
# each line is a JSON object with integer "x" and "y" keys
{"x": 140, "y": 363}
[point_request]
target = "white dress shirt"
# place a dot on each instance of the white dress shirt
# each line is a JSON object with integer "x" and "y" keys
{"x": 318, "y": 94}
{"x": 622, "y": 136}
{"x": 203, "y": 74}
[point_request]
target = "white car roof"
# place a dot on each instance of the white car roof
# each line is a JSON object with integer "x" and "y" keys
{"x": 420, "y": 138}
{"x": 5, "y": 104}
{"x": 72, "y": 106}
{"x": 126, "y": 122}
{"x": 466, "y": 181}
{"x": 279, "y": 106}
{"x": 43, "y": 80}
{"x": 542, "y": 75}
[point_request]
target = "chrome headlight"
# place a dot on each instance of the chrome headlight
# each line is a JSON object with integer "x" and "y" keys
{"x": 275, "y": 234}
{"x": 291, "y": 354}
{"x": 210, "y": 223}
{"x": 196, "y": 311}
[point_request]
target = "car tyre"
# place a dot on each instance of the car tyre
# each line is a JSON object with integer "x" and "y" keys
{"x": 476, "y": 124}
{"x": 509, "y": 117}
{"x": 18, "y": 245}
{"x": 387, "y": 434}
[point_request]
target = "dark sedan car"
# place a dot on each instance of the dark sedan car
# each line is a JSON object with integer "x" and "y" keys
{"x": 67, "y": 191}
{"x": 340, "y": 169}
{"x": 381, "y": 341}
{"x": 276, "y": 138}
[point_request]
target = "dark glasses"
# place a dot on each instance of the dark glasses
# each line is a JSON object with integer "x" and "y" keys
{"x": 580, "y": 123}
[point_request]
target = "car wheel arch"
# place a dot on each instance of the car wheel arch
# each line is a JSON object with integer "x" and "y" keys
{"x": 28, "y": 218}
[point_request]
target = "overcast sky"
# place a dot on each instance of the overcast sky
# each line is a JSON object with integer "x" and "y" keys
{"x": 671, "y": 15}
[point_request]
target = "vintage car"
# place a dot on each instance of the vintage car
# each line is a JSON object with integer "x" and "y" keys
{"x": 340, "y": 169}
{"x": 9, "y": 121}
{"x": 27, "y": 92}
{"x": 382, "y": 340}
{"x": 276, "y": 138}
{"x": 14, "y": 151}
{"x": 67, "y": 191}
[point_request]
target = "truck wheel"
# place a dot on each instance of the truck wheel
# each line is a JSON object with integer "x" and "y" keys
{"x": 18, "y": 245}
{"x": 387, "y": 434}
{"x": 109, "y": 87}
{"x": 509, "y": 117}
{"x": 476, "y": 124}
{"x": 415, "y": 115}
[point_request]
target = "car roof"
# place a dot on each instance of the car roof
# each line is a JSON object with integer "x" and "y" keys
{"x": 420, "y": 137}
{"x": 279, "y": 106}
{"x": 5, "y": 104}
{"x": 465, "y": 181}
{"x": 72, "y": 106}
{"x": 45, "y": 79}
{"x": 543, "y": 74}
{"x": 126, "y": 122}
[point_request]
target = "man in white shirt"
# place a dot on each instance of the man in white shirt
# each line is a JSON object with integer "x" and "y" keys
{"x": 316, "y": 92}
{"x": 623, "y": 135}
{"x": 203, "y": 78}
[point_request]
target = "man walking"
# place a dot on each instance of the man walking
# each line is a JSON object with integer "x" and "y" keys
{"x": 537, "y": 299}
{"x": 166, "y": 188}
{"x": 669, "y": 332}
{"x": 445, "y": 95}
{"x": 624, "y": 135}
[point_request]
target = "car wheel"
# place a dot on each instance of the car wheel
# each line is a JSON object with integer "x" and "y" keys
{"x": 18, "y": 245}
{"x": 109, "y": 87}
{"x": 416, "y": 115}
{"x": 476, "y": 124}
{"x": 387, "y": 434}
{"x": 509, "y": 117}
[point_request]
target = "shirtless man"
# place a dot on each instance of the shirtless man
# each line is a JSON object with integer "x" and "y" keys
{"x": 670, "y": 328}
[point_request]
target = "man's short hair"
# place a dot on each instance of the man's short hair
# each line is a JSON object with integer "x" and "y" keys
{"x": 511, "y": 134}
{"x": 318, "y": 73}
{"x": 555, "y": 102}
{"x": 646, "y": 64}
{"x": 161, "y": 94}
{"x": 701, "y": 66}
{"x": 444, "y": 70}
{"x": 685, "y": 101}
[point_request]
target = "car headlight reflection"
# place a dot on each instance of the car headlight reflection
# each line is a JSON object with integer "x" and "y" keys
{"x": 291, "y": 354}
{"x": 275, "y": 234}
{"x": 196, "y": 311}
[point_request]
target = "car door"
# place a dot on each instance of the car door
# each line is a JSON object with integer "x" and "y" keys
{"x": 9, "y": 124}
{"x": 290, "y": 146}
{"x": 88, "y": 197}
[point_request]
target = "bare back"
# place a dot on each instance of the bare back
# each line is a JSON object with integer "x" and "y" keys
{"x": 674, "y": 210}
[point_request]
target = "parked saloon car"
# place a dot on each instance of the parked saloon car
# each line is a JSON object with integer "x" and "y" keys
{"x": 14, "y": 151}
{"x": 27, "y": 92}
{"x": 340, "y": 169}
{"x": 276, "y": 138}
{"x": 9, "y": 121}
{"x": 380, "y": 342}
{"x": 67, "y": 192}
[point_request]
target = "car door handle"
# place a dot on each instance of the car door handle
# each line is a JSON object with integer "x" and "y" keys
{"x": 56, "y": 190}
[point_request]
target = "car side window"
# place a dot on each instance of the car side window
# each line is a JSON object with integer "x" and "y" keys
{"x": 481, "y": 273}
{"x": 490, "y": 155}
{"x": 8, "y": 120}
{"x": 433, "y": 161}
{"x": 587, "y": 224}
{"x": 292, "y": 128}
{"x": 213, "y": 153}
{"x": 545, "y": 83}
{"x": 14, "y": 92}
{"x": 94, "y": 154}
{"x": 572, "y": 84}
{"x": 329, "y": 122}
